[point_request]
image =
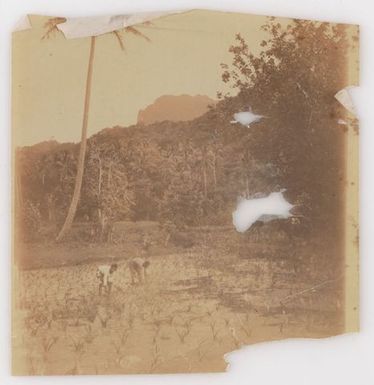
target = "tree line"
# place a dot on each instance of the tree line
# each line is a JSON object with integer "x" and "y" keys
{"x": 192, "y": 173}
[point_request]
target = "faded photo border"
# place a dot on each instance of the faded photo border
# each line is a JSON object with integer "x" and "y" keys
{"x": 351, "y": 278}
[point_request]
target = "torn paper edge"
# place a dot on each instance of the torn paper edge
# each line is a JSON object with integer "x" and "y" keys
{"x": 345, "y": 99}
{"x": 22, "y": 24}
{"x": 78, "y": 27}
{"x": 351, "y": 247}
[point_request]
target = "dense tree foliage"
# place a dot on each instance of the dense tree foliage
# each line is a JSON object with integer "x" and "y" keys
{"x": 192, "y": 173}
{"x": 292, "y": 83}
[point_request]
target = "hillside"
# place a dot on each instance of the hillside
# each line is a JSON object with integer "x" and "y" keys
{"x": 175, "y": 108}
{"x": 188, "y": 173}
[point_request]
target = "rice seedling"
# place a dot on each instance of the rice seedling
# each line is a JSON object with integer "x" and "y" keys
{"x": 183, "y": 330}
{"x": 77, "y": 345}
{"x": 244, "y": 326}
{"x": 156, "y": 359}
{"x": 47, "y": 343}
{"x": 214, "y": 330}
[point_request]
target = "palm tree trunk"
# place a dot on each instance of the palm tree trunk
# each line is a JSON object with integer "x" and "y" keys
{"x": 82, "y": 150}
{"x": 109, "y": 175}
{"x": 205, "y": 181}
{"x": 247, "y": 186}
{"x": 100, "y": 177}
{"x": 214, "y": 170}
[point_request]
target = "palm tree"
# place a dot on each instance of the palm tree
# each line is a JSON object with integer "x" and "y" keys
{"x": 51, "y": 28}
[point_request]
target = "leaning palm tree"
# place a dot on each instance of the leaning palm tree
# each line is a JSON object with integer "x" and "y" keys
{"x": 52, "y": 28}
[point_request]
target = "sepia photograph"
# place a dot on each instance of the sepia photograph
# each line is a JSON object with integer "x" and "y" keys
{"x": 184, "y": 184}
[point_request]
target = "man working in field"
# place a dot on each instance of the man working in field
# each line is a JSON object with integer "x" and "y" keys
{"x": 138, "y": 269}
{"x": 105, "y": 273}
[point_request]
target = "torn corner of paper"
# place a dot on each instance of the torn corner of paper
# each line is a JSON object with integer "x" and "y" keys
{"x": 22, "y": 24}
{"x": 78, "y": 27}
{"x": 345, "y": 99}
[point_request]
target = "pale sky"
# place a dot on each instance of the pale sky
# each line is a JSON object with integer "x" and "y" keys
{"x": 183, "y": 57}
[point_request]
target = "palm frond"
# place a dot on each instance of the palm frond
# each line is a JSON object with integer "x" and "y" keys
{"x": 136, "y": 32}
{"x": 51, "y": 26}
{"x": 119, "y": 37}
{"x": 119, "y": 34}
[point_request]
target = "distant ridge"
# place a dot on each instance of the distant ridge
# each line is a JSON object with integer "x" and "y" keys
{"x": 175, "y": 108}
{"x": 42, "y": 147}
